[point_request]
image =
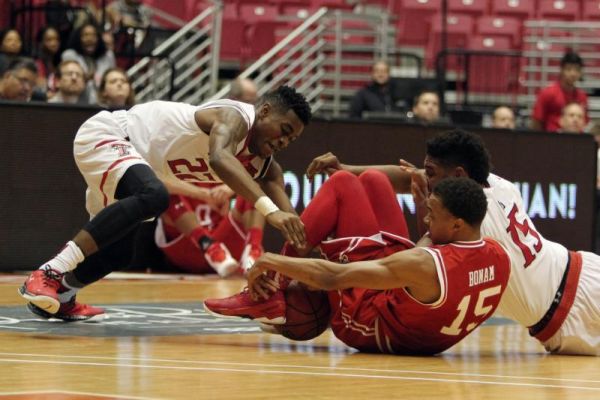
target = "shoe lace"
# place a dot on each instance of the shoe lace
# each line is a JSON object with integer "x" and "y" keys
{"x": 52, "y": 277}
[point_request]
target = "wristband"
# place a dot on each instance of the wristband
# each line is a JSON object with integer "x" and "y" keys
{"x": 265, "y": 206}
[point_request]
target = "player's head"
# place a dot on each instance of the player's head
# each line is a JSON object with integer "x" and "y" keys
{"x": 281, "y": 116}
{"x": 571, "y": 66}
{"x": 455, "y": 207}
{"x": 456, "y": 153}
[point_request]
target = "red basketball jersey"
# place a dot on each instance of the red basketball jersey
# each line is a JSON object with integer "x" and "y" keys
{"x": 472, "y": 276}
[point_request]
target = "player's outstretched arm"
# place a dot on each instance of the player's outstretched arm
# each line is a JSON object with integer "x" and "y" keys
{"x": 410, "y": 268}
{"x": 328, "y": 163}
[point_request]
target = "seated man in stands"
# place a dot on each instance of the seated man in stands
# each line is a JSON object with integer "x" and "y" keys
{"x": 503, "y": 118}
{"x": 243, "y": 89}
{"x": 551, "y": 100}
{"x": 572, "y": 118}
{"x": 426, "y": 108}
{"x": 70, "y": 84}
{"x": 381, "y": 95}
{"x": 18, "y": 80}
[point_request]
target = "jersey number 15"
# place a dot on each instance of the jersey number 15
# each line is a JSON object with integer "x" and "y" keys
{"x": 479, "y": 314}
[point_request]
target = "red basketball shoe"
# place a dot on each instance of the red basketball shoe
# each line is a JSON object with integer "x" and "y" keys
{"x": 271, "y": 311}
{"x": 220, "y": 259}
{"x": 72, "y": 311}
{"x": 42, "y": 287}
{"x": 249, "y": 256}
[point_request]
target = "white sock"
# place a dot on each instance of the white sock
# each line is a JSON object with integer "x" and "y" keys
{"x": 67, "y": 259}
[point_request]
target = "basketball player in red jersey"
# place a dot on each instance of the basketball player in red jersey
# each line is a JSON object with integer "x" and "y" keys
{"x": 239, "y": 230}
{"x": 418, "y": 301}
{"x": 552, "y": 291}
{"x": 131, "y": 161}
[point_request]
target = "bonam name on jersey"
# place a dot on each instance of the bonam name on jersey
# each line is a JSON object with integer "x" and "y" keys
{"x": 480, "y": 276}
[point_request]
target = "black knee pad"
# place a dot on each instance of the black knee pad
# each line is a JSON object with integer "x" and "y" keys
{"x": 153, "y": 198}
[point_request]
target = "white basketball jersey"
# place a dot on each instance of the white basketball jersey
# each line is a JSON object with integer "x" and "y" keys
{"x": 168, "y": 138}
{"x": 537, "y": 264}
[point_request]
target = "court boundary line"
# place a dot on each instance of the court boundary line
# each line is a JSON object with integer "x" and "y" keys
{"x": 59, "y": 391}
{"x": 267, "y": 365}
{"x": 305, "y": 373}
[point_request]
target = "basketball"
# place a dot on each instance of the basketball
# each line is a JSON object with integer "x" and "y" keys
{"x": 307, "y": 313}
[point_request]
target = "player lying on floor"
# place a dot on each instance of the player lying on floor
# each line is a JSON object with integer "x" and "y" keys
{"x": 236, "y": 232}
{"x": 418, "y": 301}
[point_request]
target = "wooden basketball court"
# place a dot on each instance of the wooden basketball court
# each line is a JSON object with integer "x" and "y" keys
{"x": 158, "y": 344}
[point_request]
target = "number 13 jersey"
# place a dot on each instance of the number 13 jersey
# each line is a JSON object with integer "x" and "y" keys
{"x": 537, "y": 264}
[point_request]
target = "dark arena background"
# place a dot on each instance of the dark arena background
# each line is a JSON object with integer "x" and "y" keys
{"x": 43, "y": 199}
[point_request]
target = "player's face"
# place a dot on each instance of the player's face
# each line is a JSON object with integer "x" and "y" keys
{"x": 440, "y": 222}
{"x": 274, "y": 130}
{"x": 435, "y": 172}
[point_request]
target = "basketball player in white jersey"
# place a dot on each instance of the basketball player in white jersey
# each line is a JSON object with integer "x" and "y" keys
{"x": 552, "y": 291}
{"x": 132, "y": 160}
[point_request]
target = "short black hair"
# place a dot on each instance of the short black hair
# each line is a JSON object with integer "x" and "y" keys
{"x": 570, "y": 57}
{"x": 22, "y": 63}
{"x": 285, "y": 98}
{"x": 463, "y": 198}
{"x": 459, "y": 148}
{"x": 421, "y": 93}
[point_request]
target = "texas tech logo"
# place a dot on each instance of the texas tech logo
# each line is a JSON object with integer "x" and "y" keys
{"x": 122, "y": 149}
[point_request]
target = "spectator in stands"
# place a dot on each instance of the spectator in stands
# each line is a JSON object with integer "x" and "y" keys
{"x": 380, "y": 95}
{"x": 503, "y": 118}
{"x": 572, "y": 118}
{"x": 18, "y": 80}
{"x": 11, "y": 46}
{"x": 115, "y": 90}
{"x": 89, "y": 50}
{"x": 128, "y": 13}
{"x": 426, "y": 108}
{"x": 553, "y": 99}
{"x": 48, "y": 58}
{"x": 70, "y": 83}
{"x": 243, "y": 89}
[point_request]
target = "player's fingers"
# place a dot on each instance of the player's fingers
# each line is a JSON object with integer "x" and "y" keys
{"x": 406, "y": 164}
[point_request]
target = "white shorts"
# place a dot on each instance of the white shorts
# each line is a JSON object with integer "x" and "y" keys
{"x": 103, "y": 154}
{"x": 580, "y": 332}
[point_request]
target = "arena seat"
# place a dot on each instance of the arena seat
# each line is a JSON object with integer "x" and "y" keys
{"x": 503, "y": 69}
{"x": 590, "y": 10}
{"x": 412, "y": 15}
{"x": 521, "y": 9}
{"x": 459, "y": 28}
{"x": 559, "y": 10}
{"x": 471, "y": 7}
{"x": 500, "y": 26}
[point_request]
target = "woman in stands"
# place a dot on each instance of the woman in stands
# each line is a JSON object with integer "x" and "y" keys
{"x": 47, "y": 58}
{"x": 115, "y": 90}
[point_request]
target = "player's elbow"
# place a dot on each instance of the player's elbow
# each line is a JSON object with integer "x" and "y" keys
{"x": 216, "y": 160}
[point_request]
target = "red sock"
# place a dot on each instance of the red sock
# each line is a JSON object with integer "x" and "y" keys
{"x": 255, "y": 237}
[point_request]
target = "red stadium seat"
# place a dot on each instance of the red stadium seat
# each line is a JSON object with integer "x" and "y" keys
{"x": 562, "y": 10}
{"x": 522, "y": 9}
{"x": 412, "y": 14}
{"x": 233, "y": 42}
{"x": 334, "y": 4}
{"x": 500, "y": 26}
{"x": 492, "y": 74}
{"x": 591, "y": 10}
{"x": 260, "y": 38}
{"x": 459, "y": 29}
{"x": 252, "y": 13}
{"x": 471, "y": 7}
